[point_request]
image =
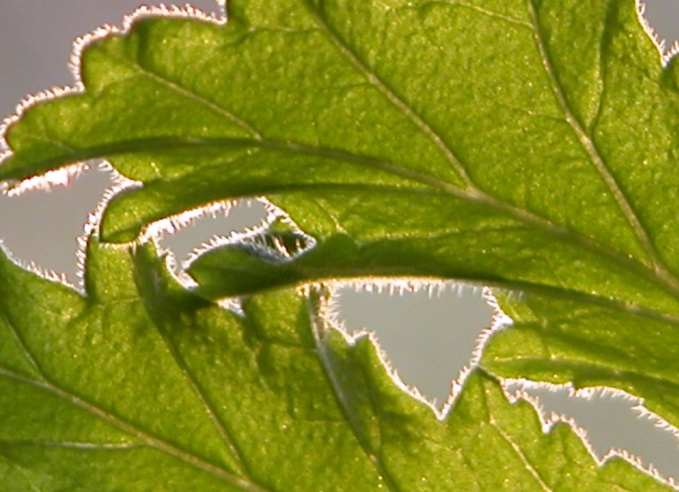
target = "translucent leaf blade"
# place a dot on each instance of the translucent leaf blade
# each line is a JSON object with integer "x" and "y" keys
{"x": 274, "y": 400}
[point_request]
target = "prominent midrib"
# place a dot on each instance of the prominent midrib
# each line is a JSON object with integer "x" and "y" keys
{"x": 477, "y": 197}
{"x": 472, "y": 194}
{"x": 660, "y": 273}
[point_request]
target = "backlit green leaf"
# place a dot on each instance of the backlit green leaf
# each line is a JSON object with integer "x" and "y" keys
{"x": 143, "y": 386}
{"x": 528, "y": 145}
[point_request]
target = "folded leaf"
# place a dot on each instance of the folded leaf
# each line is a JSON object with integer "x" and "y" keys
{"x": 521, "y": 160}
{"x": 527, "y": 145}
{"x": 143, "y": 386}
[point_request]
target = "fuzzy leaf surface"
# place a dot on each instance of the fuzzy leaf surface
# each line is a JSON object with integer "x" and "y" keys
{"x": 527, "y": 145}
{"x": 144, "y": 386}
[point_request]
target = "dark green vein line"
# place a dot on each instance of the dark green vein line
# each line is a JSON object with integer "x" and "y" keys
{"x": 325, "y": 358}
{"x": 22, "y": 345}
{"x": 524, "y": 459}
{"x": 471, "y": 196}
{"x": 669, "y": 280}
{"x": 221, "y": 427}
{"x": 330, "y": 277}
{"x": 79, "y": 445}
{"x": 507, "y": 438}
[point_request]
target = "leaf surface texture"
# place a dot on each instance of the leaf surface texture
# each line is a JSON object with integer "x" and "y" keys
{"x": 526, "y": 145}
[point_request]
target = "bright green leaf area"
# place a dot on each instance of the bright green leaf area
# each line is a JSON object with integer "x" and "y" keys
{"x": 145, "y": 386}
{"x": 526, "y": 145}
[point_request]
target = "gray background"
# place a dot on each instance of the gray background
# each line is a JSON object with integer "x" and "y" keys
{"x": 428, "y": 340}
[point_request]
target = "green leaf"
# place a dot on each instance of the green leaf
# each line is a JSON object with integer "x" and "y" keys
{"x": 590, "y": 345}
{"x": 144, "y": 386}
{"x": 527, "y": 145}
{"x": 357, "y": 121}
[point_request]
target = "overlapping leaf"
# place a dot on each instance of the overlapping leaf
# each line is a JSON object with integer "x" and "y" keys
{"x": 528, "y": 145}
{"x": 144, "y": 386}
{"x": 403, "y": 132}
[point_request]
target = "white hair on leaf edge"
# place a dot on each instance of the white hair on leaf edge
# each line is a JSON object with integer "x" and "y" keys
{"x": 434, "y": 287}
{"x": 499, "y": 321}
{"x": 154, "y": 232}
{"x": 665, "y": 54}
{"x": 672, "y": 52}
{"x": 142, "y": 12}
{"x": 253, "y": 237}
{"x": 329, "y": 316}
{"x": 186, "y": 281}
{"x": 66, "y": 174}
{"x": 515, "y": 389}
{"x": 161, "y": 11}
{"x": 245, "y": 236}
{"x": 45, "y": 182}
{"x": 63, "y": 176}
{"x": 325, "y": 316}
{"x": 658, "y": 41}
{"x": 399, "y": 286}
{"x": 174, "y": 223}
{"x": 36, "y": 269}
{"x": 502, "y": 321}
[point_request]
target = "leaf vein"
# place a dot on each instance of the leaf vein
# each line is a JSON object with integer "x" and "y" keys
{"x": 222, "y": 429}
{"x": 484, "y": 11}
{"x": 524, "y": 459}
{"x": 22, "y": 345}
{"x": 622, "y": 200}
{"x": 471, "y": 195}
{"x": 149, "y": 439}
{"x": 344, "y": 405}
{"x": 80, "y": 445}
{"x": 189, "y": 94}
{"x": 381, "y": 86}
